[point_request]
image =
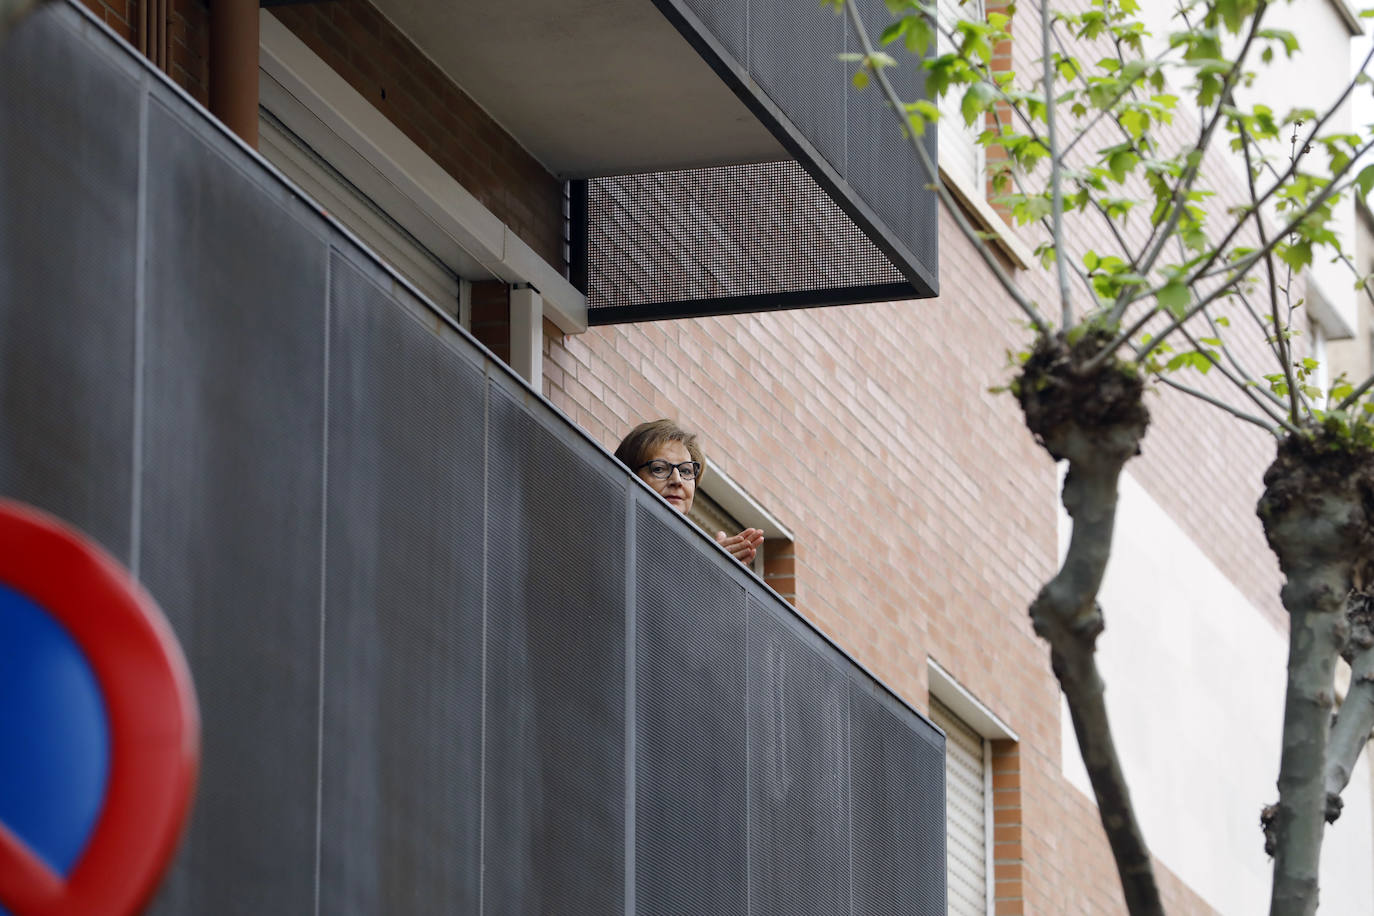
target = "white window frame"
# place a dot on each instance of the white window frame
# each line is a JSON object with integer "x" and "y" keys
{"x": 320, "y": 107}
{"x": 960, "y": 153}
{"x": 990, "y": 727}
{"x": 971, "y": 190}
{"x": 363, "y": 217}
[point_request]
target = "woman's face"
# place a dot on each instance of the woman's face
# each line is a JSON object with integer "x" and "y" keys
{"x": 677, "y": 491}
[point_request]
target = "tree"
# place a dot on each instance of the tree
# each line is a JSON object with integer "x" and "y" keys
{"x": 1148, "y": 312}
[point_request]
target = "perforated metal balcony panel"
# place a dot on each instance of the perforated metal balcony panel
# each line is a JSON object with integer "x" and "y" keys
{"x": 554, "y": 797}
{"x": 691, "y": 752}
{"x": 897, "y": 827}
{"x": 233, "y": 445}
{"x": 799, "y": 786}
{"x": 848, "y": 219}
{"x": 68, "y": 293}
{"x": 401, "y": 769}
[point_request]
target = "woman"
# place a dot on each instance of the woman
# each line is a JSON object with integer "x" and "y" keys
{"x": 668, "y": 458}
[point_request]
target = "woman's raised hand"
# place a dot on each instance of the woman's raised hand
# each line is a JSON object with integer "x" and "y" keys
{"x": 743, "y": 546}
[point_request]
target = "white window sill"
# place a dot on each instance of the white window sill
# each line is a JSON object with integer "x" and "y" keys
{"x": 985, "y": 218}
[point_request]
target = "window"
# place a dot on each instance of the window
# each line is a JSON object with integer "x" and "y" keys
{"x": 723, "y": 505}
{"x": 961, "y": 156}
{"x": 968, "y": 802}
{"x": 982, "y": 800}
{"x": 963, "y": 165}
{"x": 710, "y": 517}
{"x": 359, "y": 213}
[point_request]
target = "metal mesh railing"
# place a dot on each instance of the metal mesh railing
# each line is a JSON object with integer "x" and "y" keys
{"x": 706, "y": 240}
{"x": 851, "y": 220}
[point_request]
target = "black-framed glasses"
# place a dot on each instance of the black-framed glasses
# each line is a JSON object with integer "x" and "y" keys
{"x": 662, "y": 470}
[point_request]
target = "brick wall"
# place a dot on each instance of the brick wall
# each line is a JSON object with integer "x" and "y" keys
{"x": 120, "y": 15}
{"x": 189, "y": 38}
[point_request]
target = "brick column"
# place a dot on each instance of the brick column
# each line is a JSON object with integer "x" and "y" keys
{"x": 780, "y": 568}
{"x": 1007, "y": 871}
{"x": 491, "y": 317}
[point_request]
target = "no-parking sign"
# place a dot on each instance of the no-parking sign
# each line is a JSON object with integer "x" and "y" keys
{"x": 99, "y": 732}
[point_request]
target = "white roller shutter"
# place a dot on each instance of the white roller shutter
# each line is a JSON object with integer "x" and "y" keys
{"x": 364, "y": 218}
{"x": 960, "y": 155}
{"x": 965, "y": 814}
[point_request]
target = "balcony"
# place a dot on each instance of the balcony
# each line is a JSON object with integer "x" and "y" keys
{"x": 720, "y": 160}
{"x": 450, "y": 656}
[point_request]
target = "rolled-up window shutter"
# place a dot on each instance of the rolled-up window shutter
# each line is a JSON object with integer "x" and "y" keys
{"x": 965, "y": 813}
{"x": 960, "y": 155}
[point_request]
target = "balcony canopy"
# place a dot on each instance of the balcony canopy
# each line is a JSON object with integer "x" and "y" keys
{"x": 697, "y": 92}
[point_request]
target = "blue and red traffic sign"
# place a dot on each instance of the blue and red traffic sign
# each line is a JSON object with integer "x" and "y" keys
{"x": 99, "y": 731}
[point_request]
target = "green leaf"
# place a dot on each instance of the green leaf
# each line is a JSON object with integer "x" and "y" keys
{"x": 976, "y": 100}
{"x": 1296, "y": 256}
{"x": 919, "y": 36}
{"x": 860, "y": 79}
{"x": 1174, "y": 298}
{"x": 1365, "y": 180}
{"x": 1121, "y": 162}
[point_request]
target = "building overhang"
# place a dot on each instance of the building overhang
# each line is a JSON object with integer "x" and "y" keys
{"x": 599, "y": 90}
{"x": 590, "y": 88}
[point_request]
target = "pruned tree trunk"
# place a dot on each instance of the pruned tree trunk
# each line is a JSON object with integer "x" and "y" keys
{"x": 1317, "y": 507}
{"x": 1094, "y": 418}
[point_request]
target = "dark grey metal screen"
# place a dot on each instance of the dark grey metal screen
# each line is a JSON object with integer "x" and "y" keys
{"x": 851, "y": 220}
{"x": 450, "y": 656}
{"x": 745, "y": 238}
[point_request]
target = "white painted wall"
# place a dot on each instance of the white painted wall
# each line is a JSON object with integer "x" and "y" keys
{"x": 1195, "y": 680}
{"x": 1311, "y": 80}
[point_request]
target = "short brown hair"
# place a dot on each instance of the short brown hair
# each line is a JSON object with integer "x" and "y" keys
{"x": 637, "y": 445}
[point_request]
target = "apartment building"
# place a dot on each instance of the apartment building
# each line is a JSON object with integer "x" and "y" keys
{"x": 681, "y": 208}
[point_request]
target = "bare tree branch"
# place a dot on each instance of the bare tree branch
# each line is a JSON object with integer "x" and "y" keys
{"x": 1222, "y": 405}
{"x": 1355, "y": 395}
{"x": 1160, "y": 236}
{"x": 1255, "y": 212}
{"x": 1236, "y": 272}
{"x": 1246, "y": 386}
{"x": 1355, "y": 719}
{"x": 1056, "y": 167}
{"x": 1250, "y": 381}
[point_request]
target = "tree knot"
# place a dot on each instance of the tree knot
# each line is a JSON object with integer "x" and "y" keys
{"x": 1359, "y": 615}
{"x": 1088, "y": 414}
{"x": 1269, "y": 821}
{"x": 1318, "y": 500}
